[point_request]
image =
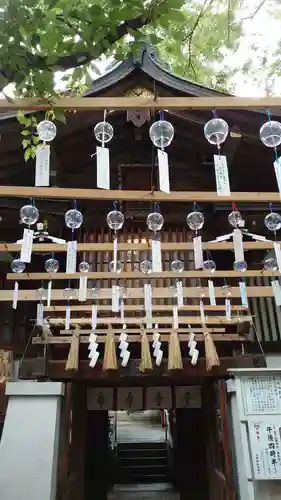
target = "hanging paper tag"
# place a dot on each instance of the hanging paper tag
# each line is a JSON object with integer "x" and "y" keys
{"x": 277, "y": 168}
{"x": 94, "y": 317}
{"x": 115, "y": 250}
{"x": 163, "y": 171}
{"x": 122, "y": 311}
{"x": 276, "y": 292}
{"x": 277, "y": 255}
{"x": 159, "y": 357}
{"x": 94, "y": 359}
{"x": 39, "y": 319}
{"x": 26, "y": 248}
{"x": 103, "y": 172}
{"x": 202, "y": 313}
{"x": 83, "y": 281}
{"x": 126, "y": 358}
{"x": 42, "y": 166}
{"x": 67, "y": 318}
{"x": 175, "y": 317}
{"x": 71, "y": 257}
{"x": 228, "y": 309}
{"x": 212, "y": 295}
{"x": 192, "y": 347}
{"x": 49, "y": 295}
{"x": 15, "y": 295}
{"x": 148, "y": 299}
{"x": 243, "y": 293}
{"x": 238, "y": 245}
{"x": 198, "y": 253}
{"x": 180, "y": 294}
{"x": 156, "y": 254}
{"x": 115, "y": 297}
{"x": 222, "y": 179}
{"x": 194, "y": 358}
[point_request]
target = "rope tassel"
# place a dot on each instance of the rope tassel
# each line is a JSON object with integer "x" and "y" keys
{"x": 146, "y": 361}
{"x": 73, "y": 355}
{"x": 174, "y": 355}
{"x": 4, "y": 366}
{"x": 110, "y": 358}
{"x": 212, "y": 358}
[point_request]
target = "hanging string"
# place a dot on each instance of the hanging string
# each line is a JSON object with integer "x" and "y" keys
{"x": 161, "y": 115}
{"x": 115, "y": 204}
{"x": 234, "y": 207}
{"x": 214, "y": 113}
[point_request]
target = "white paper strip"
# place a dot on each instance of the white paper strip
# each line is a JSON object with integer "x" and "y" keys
{"x": 49, "y": 293}
{"x": 156, "y": 337}
{"x": 191, "y": 339}
{"x": 115, "y": 298}
{"x": 212, "y": 295}
{"x": 71, "y": 257}
{"x": 156, "y": 254}
{"x": 277, "y": 168}
{"x": 276, "y": 292}
{"x": 67, "y": 318}
{"x": 198, "y": 253}
{"x": 227, "y": 309}
{"x": 163, "y": 171}
{"x": 175, "y": 317}
{"x": 26, "y": 248}
{"x": 159, "y": 357}
{"x": 15, "y": 295}
{"x": 126, "y": 358}
{"x": 103, "y": 170}
{"x": 238, "y": 245}
{"x": 92, "y": 339}
{"x": 194, "y": 358}
{"x": 148, "y": 300}
{"x": 277, "y": 255}
{"x": 221, "y": 172}
{"x": 192, "y": 347}
{"x": 42, "y": 166}
{"x": 39, "y": 320}
{"x": 83, "y": 282}
{"x": 180, "y": 294}
{"x": 123, "y": 347}
{"x": 94, "y": 316}
{"x": 156, "y": 349}
{"x": 202, "y": 312}
{"x": 115, "y": 251}
{"x": 92, "y": 349}
{"x": 94, "y": 359}
{"x": 243, "y": 293}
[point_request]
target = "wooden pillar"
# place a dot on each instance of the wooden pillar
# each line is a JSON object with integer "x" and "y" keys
{"x": 77, "y": 435}
{"x": 98, "y": 466}
{"x": 190, "y": 455}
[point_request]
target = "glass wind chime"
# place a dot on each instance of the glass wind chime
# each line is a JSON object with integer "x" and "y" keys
{"x": 216, "y": 132}
{"x": 272, "y": 222}
{"x": 115, "y": 221}
{"x": 270, "y": 136}
{"x": 103, "y": 133}
{"x": 161, "y": 134}
{"x": 73, "y": 220}
{"x": 46, "y": 131}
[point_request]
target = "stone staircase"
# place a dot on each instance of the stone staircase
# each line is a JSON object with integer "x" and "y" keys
{"x": 142, "y": 462}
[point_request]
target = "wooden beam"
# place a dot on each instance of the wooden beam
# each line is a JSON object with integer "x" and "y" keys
{"x": 137, "y": 293}
{"x": 134, "y": 331}
{"x": 161, "y": 320}
{"x": 84, "y": 339}
{"x": 122, "y": 195}
{"x": 56, "y": 371}
{"x": 140, "y": 275}
{"x": 140, "y": 307}
{"x": 108, "y": 247}
{"x": 100, "y": 103}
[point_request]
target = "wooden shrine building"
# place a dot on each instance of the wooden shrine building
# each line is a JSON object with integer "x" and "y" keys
{"x": 201, "y": 443}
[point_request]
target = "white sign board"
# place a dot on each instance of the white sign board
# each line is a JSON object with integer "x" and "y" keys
{"x": 261, "y": 394}
{"x": 265, "y": 440}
